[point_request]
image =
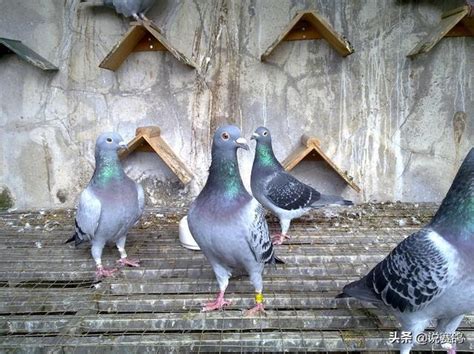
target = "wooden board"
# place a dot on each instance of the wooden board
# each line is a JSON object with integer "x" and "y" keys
{"x": 25, "y": 53}
{"x": 311, "y": 145}
{"x": 446, "y": 27}
{"x": 141, "y": 36}
{"x": 310, "y": 25}
{"x": 50, "y": 303}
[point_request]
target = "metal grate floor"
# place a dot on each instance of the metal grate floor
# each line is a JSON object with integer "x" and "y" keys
{"x": 49, "y": 301}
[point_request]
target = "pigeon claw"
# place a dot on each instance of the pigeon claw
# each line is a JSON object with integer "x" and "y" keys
{"x": 102, "y": 272}
{"x": 217, "y": 304}
{"x": 128, "y": 262}
{"x": 257, "y": 309}
{"x": 278, "y": 239}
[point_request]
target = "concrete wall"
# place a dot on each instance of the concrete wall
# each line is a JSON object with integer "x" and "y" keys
{"x": 389, "y": 121}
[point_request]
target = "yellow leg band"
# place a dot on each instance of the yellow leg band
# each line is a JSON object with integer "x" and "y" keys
{"x": 258, "y": 298}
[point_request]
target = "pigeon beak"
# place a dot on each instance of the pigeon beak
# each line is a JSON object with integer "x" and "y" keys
{"x": 123, "y": 145}
{"x": 254, "y": 136}
{"x": 242, "y": 143}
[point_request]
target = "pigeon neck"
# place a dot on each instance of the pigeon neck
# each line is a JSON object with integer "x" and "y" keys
{"x": 265, "y": 157}
{"x": 458, "y": 223}
{"x": 455, "y": 217}
{"x": 108, "y": 168}
{"x": 224, "y": 176}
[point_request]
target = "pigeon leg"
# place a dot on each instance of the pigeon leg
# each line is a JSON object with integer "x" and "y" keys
{"x": 136, "y": 17}
{"x": 217, "y": 304}
{"x": 124, "y": 260}
{"x": 415, "y": 329}
{"x": 449, "y": 325}
{"x": 143, "y": 17}
{"x": 100, "y": 272}
{"x": 258, "y": 308}
{"x": 279, "y": 238}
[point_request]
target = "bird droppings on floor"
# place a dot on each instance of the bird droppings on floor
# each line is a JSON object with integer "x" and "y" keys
{"x": 49, "y": 299}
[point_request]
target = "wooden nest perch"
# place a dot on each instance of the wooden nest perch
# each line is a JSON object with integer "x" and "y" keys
{"x": 148, "y": 139}
{"x": 311, "y": 147}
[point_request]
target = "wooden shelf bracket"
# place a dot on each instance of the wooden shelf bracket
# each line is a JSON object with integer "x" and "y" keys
{"x": 312, "y": 146}
{"x": 149, "y": 139}
{"x": 458, "y": 22}
{"x": 12, "y": 46}
{"x": 310, "y": 25}
{"x": 142, "y": 36}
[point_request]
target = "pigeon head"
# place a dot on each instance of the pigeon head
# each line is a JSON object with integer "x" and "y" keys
{"x": 264, "y": 156}
{"x": 107, "y": 164}
{"x": 109, "y": 142}
{"x": 262, "y": 135}
{"x": 228, "y": 139}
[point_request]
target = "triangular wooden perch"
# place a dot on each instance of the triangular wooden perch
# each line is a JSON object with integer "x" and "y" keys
{"x": 141, "y": 36}
{"x": 311, "y": 148}
{"x": 12, "y": 46}
{"x": 455, "y": 23}
{"x": 149, "y": 139}
{"x": 310, "y": 25}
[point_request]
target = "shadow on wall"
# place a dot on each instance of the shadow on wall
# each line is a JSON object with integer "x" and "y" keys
{"x": 162, "y": 187}
{"x": 320, "y": 176}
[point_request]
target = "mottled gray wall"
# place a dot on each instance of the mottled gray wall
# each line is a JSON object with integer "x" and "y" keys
{"x": 388, "y": 120}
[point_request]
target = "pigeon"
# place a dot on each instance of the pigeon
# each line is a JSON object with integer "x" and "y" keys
{"x": 128, "y": 8}
{"x": 428, "y": 276}
{"x": 277, "y": 190}
{"x": 228, "y": 224}
{"x": 109, "y": 206}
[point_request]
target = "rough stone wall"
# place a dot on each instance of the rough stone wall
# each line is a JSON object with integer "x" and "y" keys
{"x": 390, "y": 121}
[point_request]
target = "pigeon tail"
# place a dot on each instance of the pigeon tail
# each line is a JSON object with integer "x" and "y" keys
{"x": 330, "y": 200}
{"x": 77, "y": 240}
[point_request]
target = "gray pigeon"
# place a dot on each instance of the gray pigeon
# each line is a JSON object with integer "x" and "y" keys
{"x": 429, "y": 275}
{"x": 109, "y": 206}
{"x": 277, "y": 190}
{"x": 127, "y": 8}
{"x": 228, "y": 224}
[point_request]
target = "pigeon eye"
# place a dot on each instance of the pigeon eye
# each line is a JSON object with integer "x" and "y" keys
{"x": 109, "y": 140}
{"x": 225, "y": 136}
{"x": 265, "y": 133}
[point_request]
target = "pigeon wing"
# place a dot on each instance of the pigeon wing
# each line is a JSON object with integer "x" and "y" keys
{"x": 409, "y": 278}
{"x": 286, "y": 192}
{"x": 88, "y": 214}
{"x": 259, "y": 237}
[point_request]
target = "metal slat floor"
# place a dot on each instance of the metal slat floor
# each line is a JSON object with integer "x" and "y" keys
{"x": 49, "y": 301}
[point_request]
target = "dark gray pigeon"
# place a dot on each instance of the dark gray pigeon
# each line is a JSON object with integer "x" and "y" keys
{"x": 228, "y": 224}
{"x": 128, "y": 8}
{"x": 429, "y": 275}
{"x": 109, "y": 206}
{"x": 277, "y": 190}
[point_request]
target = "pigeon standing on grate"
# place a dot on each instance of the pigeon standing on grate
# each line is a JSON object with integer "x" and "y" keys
{"x": 109, "y": 206}
{"x": 127, "y": 8}
{"x": 228, "y": 224}
{"x": 429, "y": 275}
{"x": 277, "y": 190}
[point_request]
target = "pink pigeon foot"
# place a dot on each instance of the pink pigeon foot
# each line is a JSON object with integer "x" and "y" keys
{"x": 129, "y": 262}
{"x": 257, "y": 309}
{"x": 217, "y": 304}
{"x": 278, "y": 238}
{"x": 452, "y": 350}
{"x": 102, "y": 272}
